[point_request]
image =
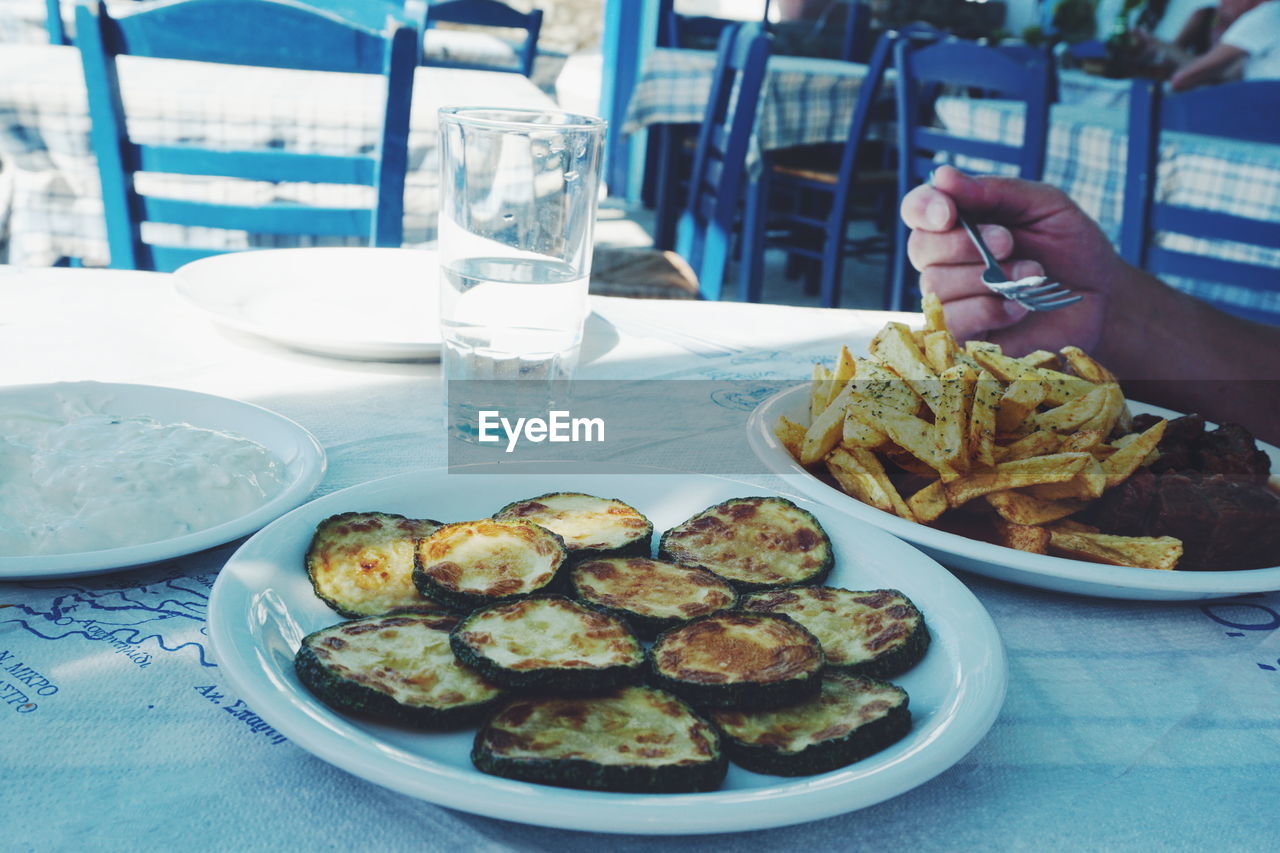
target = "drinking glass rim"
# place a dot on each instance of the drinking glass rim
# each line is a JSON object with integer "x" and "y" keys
{"x": 473, "y": 115}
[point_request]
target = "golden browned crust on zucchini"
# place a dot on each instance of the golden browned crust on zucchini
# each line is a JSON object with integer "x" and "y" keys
{"x": 851, "y": 718}
{"x": 651, "y": 595}
{"x": 637, "y": 739}
{"x": 590, "y": 526}
{"x": 397, "y": 667}
{"x": 734, "y": 659}
{"x": 878, "y": 632}
{"x": 474, "y": 563}
{"x": 754, "y": 543}
{"x": 361, "y": 563}
{"x": 549, "y": 643}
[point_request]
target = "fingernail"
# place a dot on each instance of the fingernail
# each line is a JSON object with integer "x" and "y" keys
{"x": 933, "y": 174}
{"x": 1014, "y": 311}
{"x": 937, "y": 213}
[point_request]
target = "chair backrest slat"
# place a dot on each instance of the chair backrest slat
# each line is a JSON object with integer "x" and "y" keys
{"x": 250, "y": 165}
{"x": 247, "y": 32}
{"x": 705, "y": 230}
{"x": 489, "y": 13}
{"x": 1242, "y": 112}
{"x": 278, "y": 218}
{"x": 927, "y": 68}
{"x": 266, "y": 33}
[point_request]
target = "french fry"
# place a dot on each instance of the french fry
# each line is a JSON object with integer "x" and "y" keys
{"x": 1039, "y": 443}
{"x": 907, "y": 431}
{"x": 898, "y": 351}
{"x": 934, "y": 318}
{"x": 962, "y": 357}
{"x": 880, "y": 383}
{"x": 1070, "y": 416}
{"x": 1146, "y": 552}
{"x": 860, "y": 474}
{"x": 1041, "y": 358}
{"x": 1121, "y": 464}
{"x": 907, "y": 461}
{"x": 950, "y": 425}
{"x": 1055, "y": 468}
{"x": 982, "y": 420}
{"x": 1082, "y": 440}
{"x": 1062, "y": 386}
{"x": 1083, "y": 365}
{"x": 845, "y": 367}
{"x": 1109, "y": 414}
{"x": 856, "y": 433}
{"x": 791, "y": 434}
{"x": 939, "y": 350}
{"x": 1088, "y": 484}
{"x": 826, "y": 431}
{"x": 1020, "y": 400}
{"x": 820, "y": 392}
{"x": 1023, "y": 537}
{"x": 1025, "y": 509}
{"x": 929, "y": 503}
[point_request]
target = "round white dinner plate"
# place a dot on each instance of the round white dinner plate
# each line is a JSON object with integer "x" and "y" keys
{"x": 262, "y": 606}
{"x": 348, "y": 302}
{"x": 1039, "y": 570}
{"x": 298, "y": 449}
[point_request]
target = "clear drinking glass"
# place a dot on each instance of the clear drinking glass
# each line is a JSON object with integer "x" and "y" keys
{"x": 518, "y": 207}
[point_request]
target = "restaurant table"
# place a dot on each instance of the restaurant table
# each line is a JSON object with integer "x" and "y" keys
{"x": 804, "y": 100}
{"x": 1127, "y": 725}
{"x": 1087, "y": 148}
{"x": 50, "y": 176}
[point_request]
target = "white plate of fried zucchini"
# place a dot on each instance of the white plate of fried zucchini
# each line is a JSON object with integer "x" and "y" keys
{"x": 423, "y": 632}
{"x": 1033, "y": 470}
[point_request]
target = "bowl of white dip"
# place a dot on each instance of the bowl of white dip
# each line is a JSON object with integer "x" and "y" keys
{"x": 98, "y": 476}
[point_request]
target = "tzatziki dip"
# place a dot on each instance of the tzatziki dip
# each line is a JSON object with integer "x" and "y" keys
{"x": 74, "y": 477}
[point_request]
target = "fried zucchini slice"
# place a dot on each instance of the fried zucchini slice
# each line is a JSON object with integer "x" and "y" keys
{"x": 852, "y": 717}
{"x": 878, "y": 633}
{"x": 549, "y": 643}
{"x": 650, "y": 595}
{"x": 474, "y": 563}
{"x": 739, "y": 660}
{"x": 636, "y": 740}
{"x": 397, "y": 667}
{"x": 361, "y": 563}
{"x": 753, "y": 543}
{"x": 590, "y": 526}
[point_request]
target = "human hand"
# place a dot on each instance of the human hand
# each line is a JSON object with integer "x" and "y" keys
{"x": 1036, "y": 230}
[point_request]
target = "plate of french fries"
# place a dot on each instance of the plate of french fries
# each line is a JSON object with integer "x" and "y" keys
{"x": 984, "y": 460}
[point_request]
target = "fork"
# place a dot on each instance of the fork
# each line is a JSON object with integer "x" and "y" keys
{"x": 1034, "y": 292}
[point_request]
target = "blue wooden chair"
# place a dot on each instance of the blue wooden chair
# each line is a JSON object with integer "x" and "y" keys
{"x": 923, "y": 71}
{"x": 269, "y": 33}
{"x": 489, "y": 13}
{"x": 801, "y": 204}
{"x": 1243, "y": 111}
{"x": 706, "y": 227}
{"x": 53, "y": 22}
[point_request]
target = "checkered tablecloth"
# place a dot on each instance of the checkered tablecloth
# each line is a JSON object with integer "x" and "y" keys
{"x": 804, "y": 101}
{"x": 1086, "y": 158}
{"x": 55, "y": 204}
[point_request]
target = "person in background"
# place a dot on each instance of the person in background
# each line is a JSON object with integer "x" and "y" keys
{"x": 1250, "y": 38}
{"x": 1168, "y": 348}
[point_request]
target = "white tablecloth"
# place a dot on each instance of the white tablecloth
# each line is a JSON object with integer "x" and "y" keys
{"x": 55, "y": 202}
{"x": 1127, "y": 726}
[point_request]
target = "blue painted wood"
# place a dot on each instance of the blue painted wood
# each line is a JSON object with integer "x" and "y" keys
{"x": 857, "y": 46}
{"x": 704, "y": 233}
{"x": 1243, "y": 111}
{"x": 53, "y": 22}
{"x": 630, "y": 31}
{"x": 792, "y": 227}
{"x": 490, "y": 13}
{"x": 271, "y": 33}
{"x": 924, "y": 68}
